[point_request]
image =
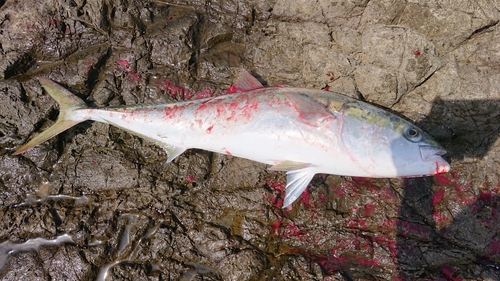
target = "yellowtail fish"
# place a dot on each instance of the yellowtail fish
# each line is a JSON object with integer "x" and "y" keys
{"x": 300, "y": 131}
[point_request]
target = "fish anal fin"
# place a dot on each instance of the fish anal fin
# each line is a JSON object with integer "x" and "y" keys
{"x": 172, "y": 151}
{"x": 288, "y": 165}
{"x": 296, "y": 182}
{"x": 244, "y": 82}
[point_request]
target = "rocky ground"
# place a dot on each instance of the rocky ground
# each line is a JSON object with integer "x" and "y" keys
{"x": 96, "y": 203}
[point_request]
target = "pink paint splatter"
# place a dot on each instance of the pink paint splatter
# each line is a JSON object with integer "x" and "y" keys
{"x": 227, "y": 151}
{"x": 190, "y": 178}
{"x": 356, "y": 223}
{"x": 440, "y": 217}
{"x": 338, "y": 190}
{"x": 438, "y": 196}
{"x": 134, "y": 77}
{"x": 209, "y": 129}
{"x": 368, "y": 209}
{"x": 331, "y": 263}
{"x": 417, "y": 53}
{"x": 275, "y": 226}
{"x": 331, "y": 75}
{"x": 414, "y": 229}
{"x": 486, "y": 197}
{"x": 440, "y": 180}
{"x": 205, "y": 93}
{"x": 170, "y": 112}
{"x": 123, "y": 63}
{"x": 494, "y": 248}
{"x": 326, "y": 88}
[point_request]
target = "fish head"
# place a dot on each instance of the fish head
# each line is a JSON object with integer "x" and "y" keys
{"x": 383, "y": 144}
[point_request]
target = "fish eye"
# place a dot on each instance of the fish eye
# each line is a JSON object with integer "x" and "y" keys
{"x": 413, "y": 134}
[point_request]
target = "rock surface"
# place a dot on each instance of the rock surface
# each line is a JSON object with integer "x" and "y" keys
{"x": 131, "y": 216}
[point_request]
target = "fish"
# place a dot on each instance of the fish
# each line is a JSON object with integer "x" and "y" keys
{"x": 299, "y": 131}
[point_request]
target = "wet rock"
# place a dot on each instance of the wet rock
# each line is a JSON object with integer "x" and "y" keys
{"x": 207, "y": 216}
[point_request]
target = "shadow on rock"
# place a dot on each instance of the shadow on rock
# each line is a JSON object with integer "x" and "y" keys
{"x": 445, "y": 228}
{"x": 466, "y": 128}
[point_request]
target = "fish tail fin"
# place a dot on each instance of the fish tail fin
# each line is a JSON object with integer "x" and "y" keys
{"x": 68, "y": 104}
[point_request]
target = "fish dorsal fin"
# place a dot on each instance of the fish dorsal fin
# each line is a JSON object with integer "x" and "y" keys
{"x": 288, "y": 165}
{"x": 244, "y": 82}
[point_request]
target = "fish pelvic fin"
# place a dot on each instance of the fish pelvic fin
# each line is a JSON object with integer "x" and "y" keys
{"x": 296, "y": 182}
{"x": 68, "y": 104}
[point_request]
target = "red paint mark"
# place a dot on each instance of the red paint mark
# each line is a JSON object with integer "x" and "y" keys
{"x": 170, "y": 111}
{"x": 290, "y": 229}
{"x": 305, "y": 199}
{"x": 226, "y": 151}
{"x": 330, "y": 74}
{"x": 169, "y": 17}
{"x": 389, "y": 224}
{"x": 181, "y": 93}
{"x": 440, "y": 179}
{"x": 134, "y": 77}
{"x": 413, "y": 229}
{"x": 209, "y": 129}
{"x": 438, "y": 196}
{"x": 275, "y": 226}
{"x": 356, "y": 223}
{"x": 486, "y": 197}
{"x": 338, "y": 190}
{"x": 190, "y": 178}
{"x": 123, "y": 63}
{"x": 368, "y": 210}
{"x": 326, "y": 88}
{"x": 206, "y": 93}
{"x": 93, "y": 162}
{"x": 417, "y": 53}
{"x": 52, "y": 22}
{"x": 67, "y": 31}
{"x": 278, "y": 185}
{"x": 439, "y": 217}
{"x": 494, "y": 248}
{"x": 449, "y": 272}
{"x": 276, "y": 198}
{"x": 233, "y": 89}
{"x": 390, "y": 242}
{"x": 88, "y": 66}
{"x": 332, "y": 263}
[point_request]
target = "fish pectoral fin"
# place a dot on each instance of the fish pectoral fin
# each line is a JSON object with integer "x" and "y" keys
{"x": 288, "y": 165}
{"x": 172, "y": 151}
{"x": 296, "y": 182}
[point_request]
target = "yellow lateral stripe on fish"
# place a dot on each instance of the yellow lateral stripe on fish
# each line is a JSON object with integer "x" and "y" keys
{"x": 300, "y": 131}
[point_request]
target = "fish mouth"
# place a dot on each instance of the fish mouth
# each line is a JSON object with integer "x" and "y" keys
{"x": 428, "y": 152}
